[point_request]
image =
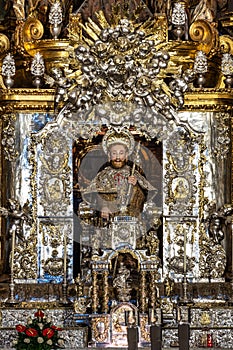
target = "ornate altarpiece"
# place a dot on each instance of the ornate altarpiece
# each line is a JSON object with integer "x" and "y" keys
{"x": 131, "y": 71}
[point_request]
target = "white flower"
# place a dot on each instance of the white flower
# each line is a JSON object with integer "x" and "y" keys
{"x": 14, "y": 342}
{"x": 40, "y": 340}
{"x": 27, "y": 340}
{"x": 48, "y": 319}
{"x": 29, "y": 321}
{"x": 60, "y": 342}
{"x": 49, "y": 342}
{"x": 40, "y": 325}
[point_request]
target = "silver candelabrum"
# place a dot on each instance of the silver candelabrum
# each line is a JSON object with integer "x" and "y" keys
{"x": 227, "y": 69}
{"x": 55, "y": 19}
{"x": 178, "y": 20}
{"x": 37, "y": 69}
{"x": 200, "y": 67}
{"x": 8, "y": 70}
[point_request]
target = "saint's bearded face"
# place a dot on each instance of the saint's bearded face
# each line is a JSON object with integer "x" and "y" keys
{"x": 118, "y": 155}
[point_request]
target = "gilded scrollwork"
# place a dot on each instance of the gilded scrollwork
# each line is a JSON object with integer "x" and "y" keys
{"x": 26, "y": 261}
{"x": 4, "y": 43}
{"x": 74, "y": 29}
{"x": 144, "y": 328}
{"x": 213, "y": 254}
{"x": 222, "y": 135}
{"x": 9, "y": 138}
{"x": 226, "y": 44}
{"x": 32, "y": 29}
{"x": 213, "y": 259}
{"x": 205, "y": 34}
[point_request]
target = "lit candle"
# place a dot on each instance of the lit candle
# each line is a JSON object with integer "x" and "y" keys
{"x": 12, "y": 252}
{"x": 185, "y": 267}
{"x": 209, "y": 341}
{"x": 65, "y": 253}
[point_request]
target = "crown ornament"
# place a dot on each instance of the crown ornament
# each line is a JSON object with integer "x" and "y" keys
{"x": 118, "y": 136}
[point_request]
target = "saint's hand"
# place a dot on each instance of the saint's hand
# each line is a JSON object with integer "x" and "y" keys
{"x": 132, "y": 180}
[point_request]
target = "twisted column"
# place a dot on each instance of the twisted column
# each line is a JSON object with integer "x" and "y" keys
{"x": 105, "y": 292}
{"x": 95, "y": 298}
{"x": 143, "y": 292}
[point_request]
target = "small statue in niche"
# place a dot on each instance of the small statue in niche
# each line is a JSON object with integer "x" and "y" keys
{"x": 120, "y": 187}
{"x": 215, "y": 228}
{"x": 54, "y": 265}
{"x": 122, "y": 284}
{"x": 152, "y": 242}
{"x": 79, "y": 285}
{"x": 181, "y": 191}
{"x": 168, "y": 286}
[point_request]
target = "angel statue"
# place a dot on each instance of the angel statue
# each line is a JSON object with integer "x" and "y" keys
{"x": 17, "y": 216}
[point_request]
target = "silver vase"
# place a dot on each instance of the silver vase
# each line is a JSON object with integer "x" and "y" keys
{"x": 55, "y": 30}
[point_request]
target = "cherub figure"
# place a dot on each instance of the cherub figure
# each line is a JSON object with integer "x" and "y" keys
{"x": 61, "y": 83}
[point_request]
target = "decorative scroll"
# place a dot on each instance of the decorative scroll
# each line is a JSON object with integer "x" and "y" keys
{"x": 226, "y": 44}
{"x": 32, "y": 29}
{"x": 8, "y": 138}
{"x": 223, "y": 140}
{"x": 205, "y": 34}
{"x": 4, "y": 43}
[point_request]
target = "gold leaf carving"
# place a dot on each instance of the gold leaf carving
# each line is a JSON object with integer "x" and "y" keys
{"x": 226, "y": 44}
{"x": 32, "y": 29}
{"x": 4, "y": 43}
{"x": 74, "y": 28}
{"x": 205, "y": 33}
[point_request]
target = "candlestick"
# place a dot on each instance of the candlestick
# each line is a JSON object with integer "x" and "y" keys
{"x": 184, "y": 335}
{"x": 65, "y": 257}
{"x": 152, "y": 316}
{"x": 64, "y": 285}
{"x": 12, "y": 300}
{"x": 132, "y": 337}
{"x": 156, "y": 337}
{"x": 185, "y": 255}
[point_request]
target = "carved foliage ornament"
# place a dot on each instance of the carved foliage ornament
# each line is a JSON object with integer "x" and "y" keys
{"x": 8, "y": 139}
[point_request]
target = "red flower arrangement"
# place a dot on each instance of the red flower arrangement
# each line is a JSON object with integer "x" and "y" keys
{"x": 38, "y": 334}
